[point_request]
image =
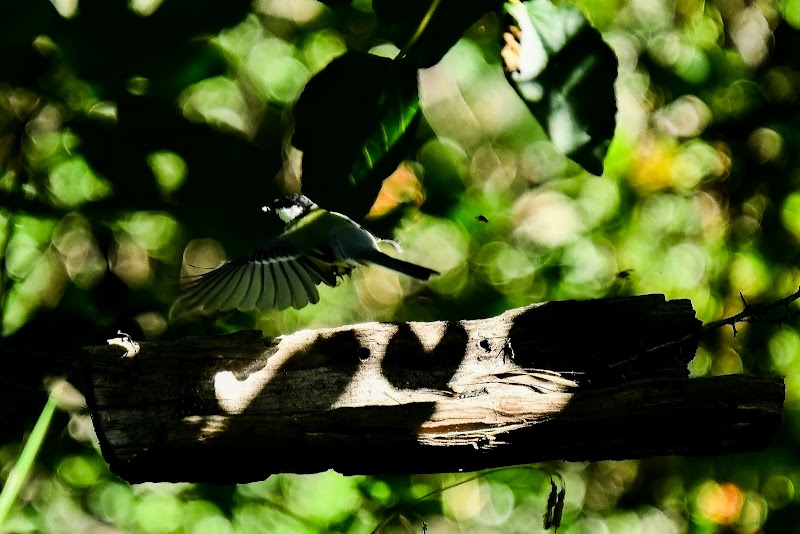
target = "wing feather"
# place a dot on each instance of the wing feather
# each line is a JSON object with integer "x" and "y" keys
{"x": 283, "y": 291}
{"x": 299, "y": 293}
{"x": 266, "y": 298}
{"x": 274, "y": 276}
{"x": 324, "y": 271}
{"x": 205, "y": 288}
{"x": 247, "y": 290}
{"x": 226, "y": 300}
{"x": 223, "y": 299}
{"x": 309, "y": 284}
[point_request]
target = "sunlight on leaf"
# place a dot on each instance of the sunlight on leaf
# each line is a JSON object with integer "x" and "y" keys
{"x": 400, "y": 114}
{"x": 352, "y": 122}
{"x": 565, "y": 73}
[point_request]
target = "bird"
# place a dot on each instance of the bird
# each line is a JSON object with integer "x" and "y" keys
{"x": 316, "y": 246}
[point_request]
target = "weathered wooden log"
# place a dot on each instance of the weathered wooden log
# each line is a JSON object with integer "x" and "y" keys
{"x": 603, "y": 379}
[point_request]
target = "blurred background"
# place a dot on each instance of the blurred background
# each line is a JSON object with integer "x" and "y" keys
{"x": 138, "y": 137}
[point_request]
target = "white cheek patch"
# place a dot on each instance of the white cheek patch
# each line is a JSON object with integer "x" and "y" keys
{"x": 290, "y": 213}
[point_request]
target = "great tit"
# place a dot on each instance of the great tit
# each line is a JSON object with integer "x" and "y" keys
{"x": 316, "y": 246}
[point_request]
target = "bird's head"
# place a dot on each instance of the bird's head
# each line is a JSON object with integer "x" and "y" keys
{"x": 291, "y": 206}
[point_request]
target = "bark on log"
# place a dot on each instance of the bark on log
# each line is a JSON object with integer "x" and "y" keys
{"x": 591, "y": 380}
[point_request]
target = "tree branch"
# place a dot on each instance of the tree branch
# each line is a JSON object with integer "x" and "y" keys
{"x": 561, "y": 380}
{"x": 750, "y": 314}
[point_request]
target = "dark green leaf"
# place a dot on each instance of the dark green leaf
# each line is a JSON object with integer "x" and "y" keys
{"x": 437, "y": 25}
{"x": 400, "y": 114}
{"x": 353, "y": 122}
{"x": 565, "y": 72}
{"x": 339, "y": 102}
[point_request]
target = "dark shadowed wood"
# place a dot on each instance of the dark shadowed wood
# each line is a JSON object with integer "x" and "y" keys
{"x": 563, "y": 380}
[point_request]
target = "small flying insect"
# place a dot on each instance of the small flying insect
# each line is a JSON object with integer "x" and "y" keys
{"x": 624, "y": 275}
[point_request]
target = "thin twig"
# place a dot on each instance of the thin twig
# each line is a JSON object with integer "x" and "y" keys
{"x": 289, "y": 513}
{"x": 406, "y": 506}
{"x": 750, "y": 314}
{"x": 420, "y": 29}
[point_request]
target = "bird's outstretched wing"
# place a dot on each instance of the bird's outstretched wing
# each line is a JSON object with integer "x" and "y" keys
{"x": 274, "y": 276}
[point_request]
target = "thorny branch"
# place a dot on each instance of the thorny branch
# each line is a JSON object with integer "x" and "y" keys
{"x": 754, "y": 314}
{"x": 750, "y": 314}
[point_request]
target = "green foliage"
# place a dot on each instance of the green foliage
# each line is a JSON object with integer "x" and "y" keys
{"x": 353, "y": 123}
{"x": 138, "y": 137}
{"x": 565, "y": 73}
{"x": 22, "y": 468}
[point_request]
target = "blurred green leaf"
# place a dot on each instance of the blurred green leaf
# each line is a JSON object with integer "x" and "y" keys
{"x": 158, "y": 513}
{"x": 446, "y": 167}
{"x": 107, "y": 43}
{"x": 353, "y": 121}
{"x": 20, "y": 24}
{"x": 80, "y": 471}
{"x": 565, "y": 73}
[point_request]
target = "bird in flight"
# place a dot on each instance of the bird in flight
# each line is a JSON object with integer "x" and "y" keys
{"x": 316, "y": 246}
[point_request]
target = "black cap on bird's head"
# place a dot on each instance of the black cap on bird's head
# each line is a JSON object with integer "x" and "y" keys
{"x": 292, "y": 206}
